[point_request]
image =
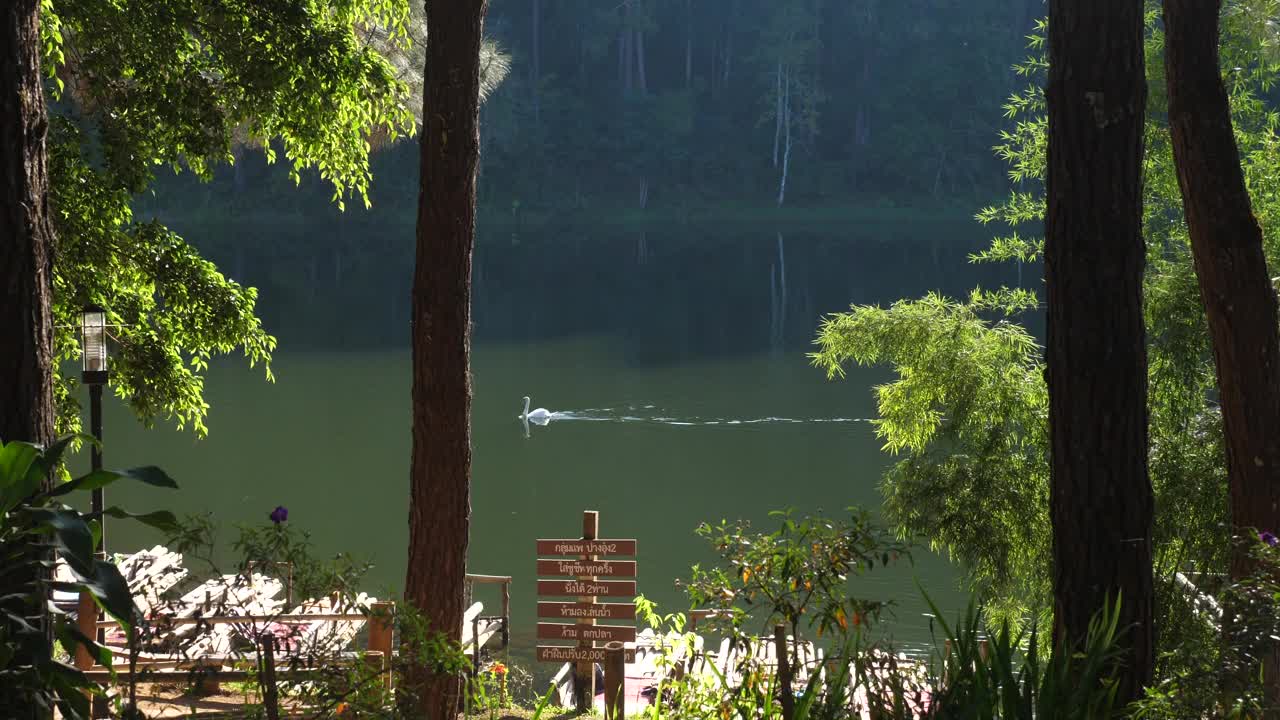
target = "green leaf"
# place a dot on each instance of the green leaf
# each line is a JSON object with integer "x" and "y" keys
{"x": 148, "y": 474}
{"x": 162, "y": 520}
{"x": 68, "y": 633}
{"x": 17, "y": 460}
{"x": 71, "y": 535}
{"x": 109, "y": 588}
{"x": 53, "y": 454}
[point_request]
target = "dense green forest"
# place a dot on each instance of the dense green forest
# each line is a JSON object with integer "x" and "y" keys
{"x": 678, "y": 107}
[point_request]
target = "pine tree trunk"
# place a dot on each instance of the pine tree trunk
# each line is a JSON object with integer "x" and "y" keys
{"x": 1235, "y": 286}
{"x": 1234, "y": 283}
{"x": 439, "y": 503}
{"x": 1100, "y": 492}
{"x": 26, "y": 236}
{"x": 535, "y": 66}
{"x": 26, "y": 287}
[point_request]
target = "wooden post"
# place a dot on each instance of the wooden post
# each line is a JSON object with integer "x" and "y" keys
{"x": 270, "y": 694}
{"x": 784, "y": 672}
{"x": 506, "y": 614}
{"x": 381, "y": 632}
{"x": 87, "y": 624}
{"x": 475, "y": 647}
{"x": 984, "y": 648}
{"x": 584, "y": 678}
{"x": 615, "y": 682}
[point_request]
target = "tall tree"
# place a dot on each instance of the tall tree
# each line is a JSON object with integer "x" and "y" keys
{"x": 1100, "y": 493}
{"x": 1235, "y": 286}
{"x": 439, "y": 505}
{"x": 26, "y": 236}
{"x": 27, "y": 410}
{"x": 1239, "y": 300}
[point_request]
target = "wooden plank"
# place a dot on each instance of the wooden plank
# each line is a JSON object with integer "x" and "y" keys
{"x": 569, "y": 653}
{"x": 594, "y": 633}
{"x": 625, "y": 548}
{"x": 588, "y": 568}
{"x": 576, "y": 588}
{"x": 576, "y": 610}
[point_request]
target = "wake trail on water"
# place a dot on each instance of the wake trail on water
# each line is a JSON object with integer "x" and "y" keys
{"x": 637, "y": 414}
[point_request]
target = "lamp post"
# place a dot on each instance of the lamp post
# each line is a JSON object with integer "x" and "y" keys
{"x": 93, "y": 351}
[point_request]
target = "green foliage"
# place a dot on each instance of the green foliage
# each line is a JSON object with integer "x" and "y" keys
{"x": 1231, "y": 630}
{"x": 1010, "y": 676}
{"x": 969, "y": 412}
{"x": 185, "y": 84}
{"x": 968, "y": 408}
{"x": 36, "y": 528}
{"x": 971, "y": 676}
{"x": 800, "y": 571}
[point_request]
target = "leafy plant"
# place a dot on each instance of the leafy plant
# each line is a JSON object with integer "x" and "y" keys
{"x": 36, "y": 530}
{"x": 1014, "y": 676}
{"x": 799, "y": 571}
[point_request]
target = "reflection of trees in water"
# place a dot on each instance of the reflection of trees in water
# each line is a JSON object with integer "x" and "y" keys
{"x": 667, "y": 296}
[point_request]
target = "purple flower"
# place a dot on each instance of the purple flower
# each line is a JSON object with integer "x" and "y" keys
{"x": 281, "y": 513}
{"x": 1269, "y": 538}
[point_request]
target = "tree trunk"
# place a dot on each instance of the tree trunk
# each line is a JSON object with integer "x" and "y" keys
{"x": 1234, "y": 283}
{"x": 439, "y": 502}
{"x": 26, "y": 236}
{"x": 688, "y": 44}
{"x": 1235, "y": 286}
{"x": 642, "y": 80}
{"x": 26, "y": 289}
{"x": 535, "y": 65}
{"x": 1100, "y": 492}
{"x": 786, "y": 133}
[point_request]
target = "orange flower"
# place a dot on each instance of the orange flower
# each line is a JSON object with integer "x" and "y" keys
{"x": 499, "y": 668}
{"x": 340, "y": 709}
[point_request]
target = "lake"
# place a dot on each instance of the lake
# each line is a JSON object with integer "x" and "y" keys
{"x": 679, "y": 353}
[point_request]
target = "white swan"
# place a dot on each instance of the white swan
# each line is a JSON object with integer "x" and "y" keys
{"x": 540, "y": 416}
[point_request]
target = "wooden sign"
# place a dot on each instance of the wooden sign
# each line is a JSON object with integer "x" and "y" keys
{"x": 586, "y": 611}
{"x": 590, "y": 581}
{"x": 588, "y": 588}
{"x": 571, "y": 653}
{"x": 588, "y": 568}
{"x": 587, "y": 547}
{"x": 591, "y": 633}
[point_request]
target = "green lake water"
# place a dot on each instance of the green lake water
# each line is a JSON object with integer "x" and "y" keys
{"x": 680, "y": 357}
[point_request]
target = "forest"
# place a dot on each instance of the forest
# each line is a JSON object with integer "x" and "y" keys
{"x": 907, "y": 360}
{"x": 680, "y": 107}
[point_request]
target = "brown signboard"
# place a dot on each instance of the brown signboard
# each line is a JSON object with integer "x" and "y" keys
{"x": 569, "y": 653}
{"x": 593, "y": 568}
{"x": 588, "y": 588}
{"x": 587, "y": 547}
{"x": 586, "y": 611}
{"x": 589, "y": 633}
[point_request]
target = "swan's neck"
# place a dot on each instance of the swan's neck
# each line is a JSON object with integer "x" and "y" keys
{"x": 526, "y": 408}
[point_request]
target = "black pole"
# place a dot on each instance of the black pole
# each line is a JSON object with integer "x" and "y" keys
{"x": 95, "y": 457}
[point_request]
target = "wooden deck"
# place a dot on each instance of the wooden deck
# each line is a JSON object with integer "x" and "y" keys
{"x": 218, "y": 625}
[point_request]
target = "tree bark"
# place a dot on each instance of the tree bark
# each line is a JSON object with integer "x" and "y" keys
{"x": 1234, "y": 283}
{"x": 26, "y": 287}
{"x": 26, "y": 235}
{"x": 1235, "y": 286}
{"x": 1100, "y": 492}
{"x": 439, "y": 503}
